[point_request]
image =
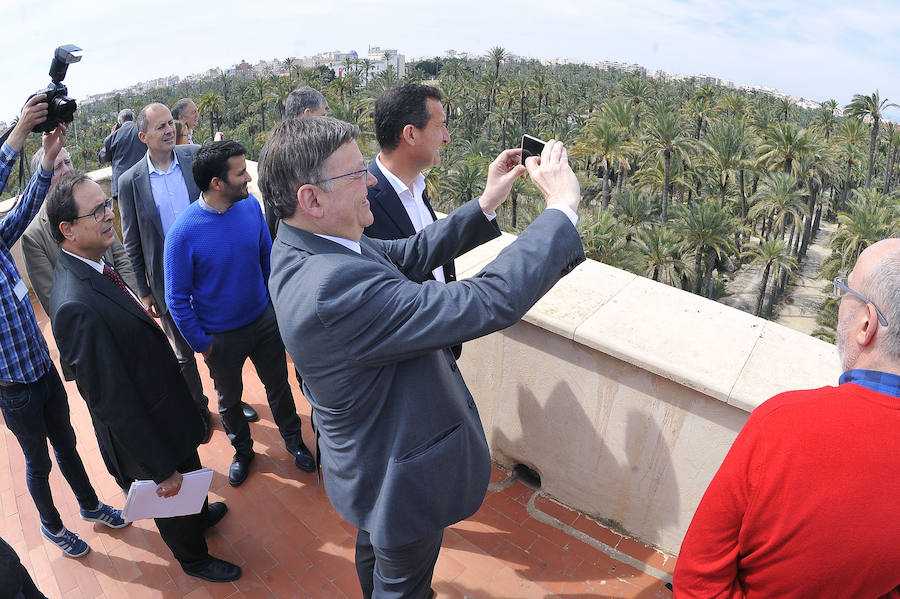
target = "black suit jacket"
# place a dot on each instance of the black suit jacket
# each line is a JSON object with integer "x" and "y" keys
{"x": 391, "y": 219}
{"x": 392, "y": 222}
{"x": 123, "y": 148}
{"x": 127, "y": 373}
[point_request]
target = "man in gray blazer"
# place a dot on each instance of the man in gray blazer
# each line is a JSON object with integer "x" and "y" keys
{"x": 402, "y": 447}
{"x": 152, "y": 194}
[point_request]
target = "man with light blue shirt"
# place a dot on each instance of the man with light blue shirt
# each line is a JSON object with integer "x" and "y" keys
{"x": 152, "y": 194}
{"x": 217, "y": 267}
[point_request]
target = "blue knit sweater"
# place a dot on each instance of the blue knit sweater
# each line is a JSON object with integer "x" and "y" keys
{"x": 216, "y": 270}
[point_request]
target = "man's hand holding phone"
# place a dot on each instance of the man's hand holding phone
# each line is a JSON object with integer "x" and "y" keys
{"x": 552, "y": 175}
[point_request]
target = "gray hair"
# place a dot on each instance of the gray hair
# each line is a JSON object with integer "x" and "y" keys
{"x": 883, "y": 288}
{"x": 126, "y": 114}
{"x": 180, "y": 107}
{"x": 295, "y": 155}
{"x": 36, "y": 159}
{"x": 302, "y": 98}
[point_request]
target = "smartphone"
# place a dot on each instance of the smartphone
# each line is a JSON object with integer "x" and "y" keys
{"x": 531, "y": 146}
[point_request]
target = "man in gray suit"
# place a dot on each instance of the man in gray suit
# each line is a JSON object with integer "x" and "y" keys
{"x": 152, "y": 194}
{"x": 123, "y": 147}
{"x": 403, "y": 451}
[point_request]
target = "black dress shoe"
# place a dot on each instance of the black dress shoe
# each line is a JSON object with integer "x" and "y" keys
{"x": 207, "y": 428}
{"x": 250, "y": 414}
{"x": 216, "y": 511}
{"x": 303, "y": 458}
{"x": 213, "y": 569}
{"x": 240, "y": 468}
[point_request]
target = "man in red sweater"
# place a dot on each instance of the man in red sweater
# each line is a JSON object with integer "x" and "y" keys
{"x": 805, "y": 503}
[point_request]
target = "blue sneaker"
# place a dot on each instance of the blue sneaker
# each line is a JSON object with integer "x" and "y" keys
{"x": 105, "y": 514}
{"x": 67, "y": 541}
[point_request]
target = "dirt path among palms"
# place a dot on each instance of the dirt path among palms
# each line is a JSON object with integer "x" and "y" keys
{"x": 801, "y": 306}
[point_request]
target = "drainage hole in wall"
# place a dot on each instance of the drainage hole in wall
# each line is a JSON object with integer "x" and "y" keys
{"x": 528, "y": 476}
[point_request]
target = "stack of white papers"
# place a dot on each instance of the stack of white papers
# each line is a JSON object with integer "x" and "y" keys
{"x": 143, "y": 502}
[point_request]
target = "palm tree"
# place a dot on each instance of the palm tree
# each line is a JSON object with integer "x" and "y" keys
{"x": 826, "y": 118}
{"x": 769, "y": 253}
{"x": 778, "y": 201}
{"x": 604, "y": 240}
{"x": 289, "y": 65}
{"x": 869, "y": 218}
{"x": 783, "y": 143}
{"x": 635, "y": 210}
{"x": 707, "y": 228}
{"x": 261, "y": 85}
{"x": 851, "y": 134}
{"x": 212, "y": 104}
{"x": 465, "y": 181}
{"x": 661, "y": 255}
{"x": 497, "y": 55}
{"x": 872, "y": 107}
{"x": 726, "y": 151}
{"x": 600, "y": 140}
{"x": 664, "y": 137}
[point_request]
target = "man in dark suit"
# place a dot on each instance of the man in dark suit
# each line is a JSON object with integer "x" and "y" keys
{"x": 126, "y": 371}
{"x": 411, "y": 128}
{"x": 152, "y": 194}
{"x": 122, "y": 147}
{"x": 403, "y": 450}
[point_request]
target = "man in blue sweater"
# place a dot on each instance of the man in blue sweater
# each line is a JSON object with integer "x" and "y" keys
{"x": 216, "y": 264}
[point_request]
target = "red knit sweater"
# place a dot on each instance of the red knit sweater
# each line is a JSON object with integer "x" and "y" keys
{"x": 806, "y": 503}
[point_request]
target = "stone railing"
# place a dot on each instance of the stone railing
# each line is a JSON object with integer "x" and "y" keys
{"x": 624, "y": 394}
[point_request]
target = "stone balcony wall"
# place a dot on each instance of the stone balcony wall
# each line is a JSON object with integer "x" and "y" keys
{"x": 622, "y": 393}
{"x": 625, "y": 394}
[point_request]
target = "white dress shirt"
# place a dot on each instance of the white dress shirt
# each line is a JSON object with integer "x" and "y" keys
{"x": 413, "y": 204}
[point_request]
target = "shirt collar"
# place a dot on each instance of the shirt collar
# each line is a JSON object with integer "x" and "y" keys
{"x": 155, "y": 171}
{"x": 350, "y": 245}
{"x": 398, "y": 185}
{"x": 873, "y": 380}
{"x": 202, "y": 203}
{"x": 98, "y": 266}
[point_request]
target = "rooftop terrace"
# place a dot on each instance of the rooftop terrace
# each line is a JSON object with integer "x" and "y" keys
{"x": 283, "y": 532}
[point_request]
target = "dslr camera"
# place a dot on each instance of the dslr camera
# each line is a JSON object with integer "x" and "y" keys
{"x": 60, "y": 107}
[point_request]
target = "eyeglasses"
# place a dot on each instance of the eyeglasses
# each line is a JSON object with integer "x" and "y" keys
{"x": 840, "y": 288}
{"x": 355, "y": 174}
{"x": 99, "y": 213}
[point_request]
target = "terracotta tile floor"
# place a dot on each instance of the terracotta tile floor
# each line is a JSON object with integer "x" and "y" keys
{"x": 291, "y": 543}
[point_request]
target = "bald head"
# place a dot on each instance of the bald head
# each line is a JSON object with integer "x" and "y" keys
{"x": 862, "y": 341}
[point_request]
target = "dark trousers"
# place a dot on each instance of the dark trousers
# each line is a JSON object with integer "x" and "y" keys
{"x": 182, "y": 534}
{"x": 35, "y": 412}
{"x": 15, "y": 581}
{"x": 186, "y": 360}
{"x": 261, "y": 342}
{"x": 398, "y": 573}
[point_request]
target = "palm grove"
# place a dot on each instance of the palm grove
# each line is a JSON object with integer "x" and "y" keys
{"x": 683, "y": 183}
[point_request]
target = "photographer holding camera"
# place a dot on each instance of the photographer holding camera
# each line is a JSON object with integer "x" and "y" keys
{"x": 32, "y": 398}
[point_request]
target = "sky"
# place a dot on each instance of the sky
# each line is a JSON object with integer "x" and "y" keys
{"x": 820, "y": 50}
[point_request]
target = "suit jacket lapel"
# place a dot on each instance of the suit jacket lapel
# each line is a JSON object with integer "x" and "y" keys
{"x": 105, "y": 287}
{"x": 145, "y": 202}
{"x": 390, "y": 202}
{"x": 186, "y": 161}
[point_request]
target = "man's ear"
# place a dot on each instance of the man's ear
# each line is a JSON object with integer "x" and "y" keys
{"x": 65, "y": 228}
{"x": 866, "y": 333}
{"x": 409, "y": 134}
{"x": 308, "y": 201}
{"x": 215, "y": 184}
{"x": 142, "y": 136}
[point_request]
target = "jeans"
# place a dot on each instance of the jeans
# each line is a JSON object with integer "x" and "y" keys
{"x": 35, "y": 412}
{"x": 261, "y": 342}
